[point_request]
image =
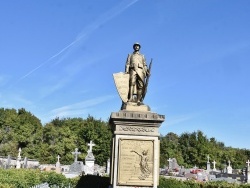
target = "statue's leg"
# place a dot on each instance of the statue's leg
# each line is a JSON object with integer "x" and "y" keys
{"x": 131, "y": 91}
{"x": 132, "y": 82}
{"x": 139, "y": 91}
{"x": 139, "y": 96}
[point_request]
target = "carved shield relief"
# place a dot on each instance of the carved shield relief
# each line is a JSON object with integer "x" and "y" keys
{"x": 122, "y": 85}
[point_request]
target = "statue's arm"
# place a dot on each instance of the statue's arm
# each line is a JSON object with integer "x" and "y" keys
{"x": 136, "y": 153}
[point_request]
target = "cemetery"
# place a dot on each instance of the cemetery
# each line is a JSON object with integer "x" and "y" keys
{"x": 125, "y": 152}
{"x": 125, "y": 94}
{"x": 172, "y": 172}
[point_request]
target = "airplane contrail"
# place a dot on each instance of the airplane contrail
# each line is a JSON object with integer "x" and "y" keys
{"x": 88, "y": 30}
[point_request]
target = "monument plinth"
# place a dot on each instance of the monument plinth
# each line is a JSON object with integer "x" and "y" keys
{"x": 135, "y": 151}
{"x": 135, "y": 142}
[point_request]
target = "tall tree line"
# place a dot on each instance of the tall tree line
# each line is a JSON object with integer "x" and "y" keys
{"x": 192, "y": 149}
{"x": 21, "y": 129}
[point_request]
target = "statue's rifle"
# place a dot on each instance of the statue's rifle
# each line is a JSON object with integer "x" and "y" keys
{"x": 147, "y": 80}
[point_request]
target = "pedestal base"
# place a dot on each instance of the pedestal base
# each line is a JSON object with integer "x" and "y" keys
{"x": 132, "y": 106}
{"x": 135, "y": 150}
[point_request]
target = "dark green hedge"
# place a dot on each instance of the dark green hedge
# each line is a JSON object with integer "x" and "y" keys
{"x": 25, "y": 178}
{"x": 174, "y": 183}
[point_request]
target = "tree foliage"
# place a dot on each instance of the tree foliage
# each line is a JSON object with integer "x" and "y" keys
{"x": 192, "y": 149}
{"x": 25, "y": 178}
{"x": 19, "y": 128}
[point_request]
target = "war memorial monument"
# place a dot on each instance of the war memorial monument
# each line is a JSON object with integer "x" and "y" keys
{"x": 135, "y": 128}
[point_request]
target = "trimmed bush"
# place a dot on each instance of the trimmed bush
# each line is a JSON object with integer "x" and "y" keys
{"x": 25, "y": 178}
{"x": 174, "y": 183}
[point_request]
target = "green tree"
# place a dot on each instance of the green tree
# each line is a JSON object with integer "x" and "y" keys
{"x": 19, "y": 129}
{"x": 99, "y": 132}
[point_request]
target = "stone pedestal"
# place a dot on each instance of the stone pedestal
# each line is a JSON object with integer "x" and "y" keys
{"x": 108, "y": 167}
{"x": 58, "y": 167}
{"x": 229, "y": 170}
{"x": 135, "y": 149}
{"x": 18, "y": 164}
{"x": 248, "y": 174}
{"x": 208, "y": 167}
{"x": 89, "y": 164}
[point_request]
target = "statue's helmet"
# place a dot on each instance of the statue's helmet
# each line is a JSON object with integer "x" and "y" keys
{"x": 136, "y": 44}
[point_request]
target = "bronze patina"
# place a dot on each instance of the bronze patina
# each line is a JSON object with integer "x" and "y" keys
{"x": 132, "y": 84}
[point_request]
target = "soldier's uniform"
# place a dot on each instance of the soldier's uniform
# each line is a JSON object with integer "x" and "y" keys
{"x": 137, "y": 68}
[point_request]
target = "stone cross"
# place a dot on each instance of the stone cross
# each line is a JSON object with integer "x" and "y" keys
{"x": 91, "y": 144}
{"x": 76, "y": 153}
{"x": 19, "y": 154}
{"x": 214, "y": 165}
{"x": 248, "y": 162}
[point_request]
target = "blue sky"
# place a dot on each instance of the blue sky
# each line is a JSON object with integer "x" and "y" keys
{"x": 57, "y": 60}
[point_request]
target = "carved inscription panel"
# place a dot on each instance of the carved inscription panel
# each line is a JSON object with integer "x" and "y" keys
{"x": 136, "y": 159}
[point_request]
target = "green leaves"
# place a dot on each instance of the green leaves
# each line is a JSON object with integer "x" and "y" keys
{"x": 192, "y": 149}
{"x": 25, "y": 178}
{"x": 19, "y": 128}
{"x": 64, "y": 135}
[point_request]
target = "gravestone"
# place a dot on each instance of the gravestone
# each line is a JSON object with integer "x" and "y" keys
{"x": 214, "y": 163}
{"x": 77, "y": 166}
{"x": 169, "y": 163}
{"x": 174, "y": 164}
{"x": 108, "y": 167}
{"x": 182, "y": 171}
{"x": 135, "y": 129}
{"x": 229, "y": 168}
{"x": 18, "y": 160}
{"x": 25, "y": 162}
{"x": 8, "y": 162}
{"x": 90, "y": 160}
{"x": 58, "y": 165}
{"x": 208, "y": 164}
{"x": 248, "y": 172}
{"x": 1, "y": 164}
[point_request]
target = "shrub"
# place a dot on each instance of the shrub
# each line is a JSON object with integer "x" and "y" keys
{"x": 25, "y": 178}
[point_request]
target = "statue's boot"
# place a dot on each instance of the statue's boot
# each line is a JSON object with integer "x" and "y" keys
{"x": 139, "y": 96}
{"x": 131, "y": 90}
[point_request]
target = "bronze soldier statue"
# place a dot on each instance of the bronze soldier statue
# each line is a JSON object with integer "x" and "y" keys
{"x": 137, "y": 69}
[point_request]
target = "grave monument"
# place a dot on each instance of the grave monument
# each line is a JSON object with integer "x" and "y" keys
{"x": 58, "y": 165}
{"x": 229, "y": 168}
{"x": 248, "y": 171}
{"x": 135, "y": 128}
{"x": 77, "y": 166}
{"x": 89, "y": 160}
{"x": 208, "y": 164}
{"x": 18, "y": 160}
{"x": 214, "y": 163}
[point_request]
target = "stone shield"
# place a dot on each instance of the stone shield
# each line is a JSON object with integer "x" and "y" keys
{"x": 122, "y": 85}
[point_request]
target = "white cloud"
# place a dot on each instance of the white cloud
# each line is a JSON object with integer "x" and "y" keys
{"x": 179, "y": 119}
{"x": 77, "y": 108}
{"x": 102, "y": 19}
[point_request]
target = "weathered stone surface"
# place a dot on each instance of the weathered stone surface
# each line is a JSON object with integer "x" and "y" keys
{"x": 136, "y": 123}
{"x": 135, "y": 150}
